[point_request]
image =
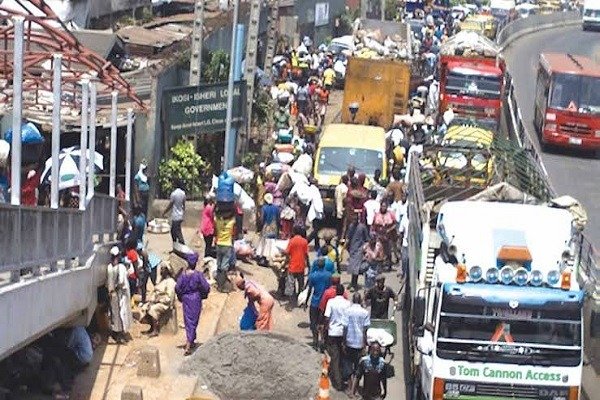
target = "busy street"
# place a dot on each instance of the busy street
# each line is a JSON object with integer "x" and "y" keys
{"x": 324, "y": 200}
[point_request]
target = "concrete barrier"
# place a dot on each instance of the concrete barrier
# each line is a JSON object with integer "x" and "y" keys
{"x": 535, "y": 23}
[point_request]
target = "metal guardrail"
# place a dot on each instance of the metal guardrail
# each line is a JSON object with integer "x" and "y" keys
{"x": 37, "y": 236}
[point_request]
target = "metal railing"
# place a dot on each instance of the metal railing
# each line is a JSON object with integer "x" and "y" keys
{"x": 32, "y": 237}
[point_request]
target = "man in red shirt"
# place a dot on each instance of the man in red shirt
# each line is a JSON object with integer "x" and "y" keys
{"x": 329, "y": 293}
{"x": 297, "y": 251}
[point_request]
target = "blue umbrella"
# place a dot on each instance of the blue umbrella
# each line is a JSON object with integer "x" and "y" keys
{"x": 29, "y": 134}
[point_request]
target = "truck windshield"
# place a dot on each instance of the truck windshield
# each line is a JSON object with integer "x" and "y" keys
{"x": 588, "y": 12}
{"x": 576, "y": 92}
{"x": 483, "y": 86}
{"x": 494, "y": 334}
{"x": 336, "y": 160}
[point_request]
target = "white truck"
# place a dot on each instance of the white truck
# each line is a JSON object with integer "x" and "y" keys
{"x": 591, "y": 14}
{"x": 494, "y": 305}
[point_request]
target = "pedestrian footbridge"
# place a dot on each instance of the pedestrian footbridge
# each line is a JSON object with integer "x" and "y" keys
{"x": 51, "y": 264}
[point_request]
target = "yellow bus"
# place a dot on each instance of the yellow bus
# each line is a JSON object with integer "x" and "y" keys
{"x": 344, "y": 145}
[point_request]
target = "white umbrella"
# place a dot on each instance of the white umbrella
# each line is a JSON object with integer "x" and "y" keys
{"x": 68, "y": 167}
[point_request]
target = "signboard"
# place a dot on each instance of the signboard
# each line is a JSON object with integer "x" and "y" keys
{"x": 202, "y": 109}
{"x": 321, "y": 14}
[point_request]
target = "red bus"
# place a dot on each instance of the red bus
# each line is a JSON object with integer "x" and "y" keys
{"x": 567, "y": 101}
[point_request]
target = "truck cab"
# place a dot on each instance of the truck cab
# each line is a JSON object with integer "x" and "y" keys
{"x": 472, "y": 81}
{"x": 501, "y": 314}
{"x": 591, "y": 14}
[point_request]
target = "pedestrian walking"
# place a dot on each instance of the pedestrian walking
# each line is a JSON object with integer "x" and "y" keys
{"x": 379, "y": 298}
{"x": 334, "y": 315}
{"x": 372, "y": 369}
{"x": 177, "y": 208}
{"x": 318, "y": 281}
{"x": 341, "y": 191}
{"x": 207, "y": 227}
{"x": 356, "y": 321}
{"x": 374, "y": 257}
{"x": 191, "y": 288}
{"x": 141, "y": 188}
{"x": 224, "y": 233}
{"x": 259, "y": 295}
{"x": 357, "y": 236}
{"x": 120, "y": 297}
{"x": 297, "y": 251}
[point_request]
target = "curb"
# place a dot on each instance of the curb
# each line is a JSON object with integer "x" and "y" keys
{"x": 221, "y": 308}
{"x": 518, "y": 35}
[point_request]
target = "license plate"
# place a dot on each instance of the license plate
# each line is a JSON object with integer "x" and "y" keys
{"x": 574, "y": 140}
{"x": 505, "y": 313}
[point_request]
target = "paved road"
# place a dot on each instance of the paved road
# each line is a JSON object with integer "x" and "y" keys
{"x": 571, "y": 173}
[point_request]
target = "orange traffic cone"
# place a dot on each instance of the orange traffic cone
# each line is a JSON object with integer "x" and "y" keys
{"x": 324, "y": 383}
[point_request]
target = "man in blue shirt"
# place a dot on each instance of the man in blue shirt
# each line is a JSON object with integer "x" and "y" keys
{"x": 318, "y": 281}
{"x": 329, "y": 266}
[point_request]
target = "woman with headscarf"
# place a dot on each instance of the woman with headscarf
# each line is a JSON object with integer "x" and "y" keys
{"x": 142, "y": 188}
{"x": 384, "y": 228}
{"x": 270, "y": 228}
{"x": 259, "y": 295}
{"x": 191, "y": 289}
{"x": 357, "y": 236}
{"x": 270, "y": 218}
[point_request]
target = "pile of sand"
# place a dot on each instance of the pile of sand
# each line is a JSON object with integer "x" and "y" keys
{"x": 253, "y": 366}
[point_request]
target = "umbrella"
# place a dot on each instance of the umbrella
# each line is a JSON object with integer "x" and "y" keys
{"x": 29, "y": 134}
{"x": 68, "y": 167}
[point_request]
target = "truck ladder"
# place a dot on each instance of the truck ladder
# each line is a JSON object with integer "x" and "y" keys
{"x": 197, "y": 35}
{"x": 271, "y": 35}
{"x": 434, "y": 244}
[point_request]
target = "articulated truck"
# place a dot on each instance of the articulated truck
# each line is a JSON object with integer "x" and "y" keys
{"x": 494, "y": 303}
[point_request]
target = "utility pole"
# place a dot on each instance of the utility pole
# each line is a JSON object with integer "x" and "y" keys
{"x": 229, "y": 133}
{"x": 271, "y": 36}
{"x": 382, "y": 10}
{"x": 197, "y": 36}
{"x": 250, "y": 73}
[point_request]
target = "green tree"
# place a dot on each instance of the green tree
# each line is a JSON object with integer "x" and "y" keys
{"x": 217, "y": 69}
{"x": 184, "y": 164}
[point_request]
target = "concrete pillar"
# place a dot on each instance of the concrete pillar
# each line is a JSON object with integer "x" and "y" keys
{"x": 149, "y": 364}
{"x": 92, "y": 141}
{"x": 131, "y": 392}
{"x": 56, "y": 97}
{"x": 128, "y": 154}
{"x": 113, "y": 145}
{"x": 83, "y": 143}
{"x": 15, "y": 149}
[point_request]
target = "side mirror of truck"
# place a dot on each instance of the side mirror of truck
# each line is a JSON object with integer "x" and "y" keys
{"x": 419, "y": 311}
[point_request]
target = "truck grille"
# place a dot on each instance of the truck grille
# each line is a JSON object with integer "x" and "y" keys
{"x": 464, "y": 389}
{"x": 575, "y": 129}
{"x": 516, "y": 391}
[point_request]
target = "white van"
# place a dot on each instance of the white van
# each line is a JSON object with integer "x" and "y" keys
{"x": 591, "y": 14}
